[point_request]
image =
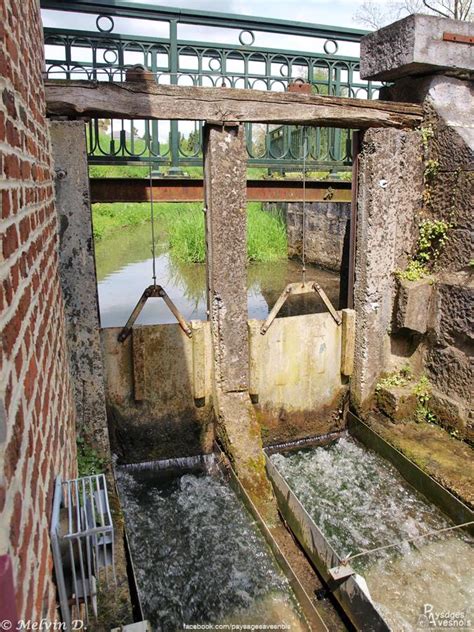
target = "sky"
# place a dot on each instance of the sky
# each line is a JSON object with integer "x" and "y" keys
{"x": 333, "y": 12}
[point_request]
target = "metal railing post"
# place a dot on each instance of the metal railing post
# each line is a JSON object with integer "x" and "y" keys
{"x": 174, "y": 127}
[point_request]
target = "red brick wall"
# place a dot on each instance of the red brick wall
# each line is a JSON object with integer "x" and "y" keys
{"x": 36, "y": 410}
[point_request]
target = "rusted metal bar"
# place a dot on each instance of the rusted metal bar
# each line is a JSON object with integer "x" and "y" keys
{"x": 276, "y": 308}
{"x": 294, "y": 289}
{"x": 458, "y": 38}
{"x": 153, "y": 291}
{"x": 327, "y": 303}
{"x": 191, "y": 190}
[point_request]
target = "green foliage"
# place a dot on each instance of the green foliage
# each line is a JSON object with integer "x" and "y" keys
{"x": 431, "y": 170}
{"x": 109, "y": 217}
{"x": 88, "y": 460}
{"x": 414, "y": 271}
{"x": 420, "y": 388}
{"x": 427, "y": 133}
{"x": 432, "y": 237}
{"x": 394, "y": 380}
{"x": 422, "y": 391}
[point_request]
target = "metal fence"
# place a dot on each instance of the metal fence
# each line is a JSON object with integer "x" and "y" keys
{"x": 232, "y": 58}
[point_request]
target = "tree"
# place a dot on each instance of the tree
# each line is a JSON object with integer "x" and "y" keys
{"x": 374, "y": 15}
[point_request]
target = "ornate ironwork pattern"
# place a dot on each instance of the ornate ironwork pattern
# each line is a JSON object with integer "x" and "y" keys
{"x": 104, "y": 55}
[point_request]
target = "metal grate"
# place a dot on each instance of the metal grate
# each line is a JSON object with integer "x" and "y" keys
{"x": 82, "y": 539}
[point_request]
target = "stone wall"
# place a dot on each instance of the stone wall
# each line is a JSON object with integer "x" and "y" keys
{"x": 433, "y": 327}
{"x": 448, "y": 343}
{"x": 37, "y": 434}
{"x": 327, "y": 231}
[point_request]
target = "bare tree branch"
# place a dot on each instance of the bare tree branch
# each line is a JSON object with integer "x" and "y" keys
{"x": 375, "y": 15}
{"x": 436, "y": 9}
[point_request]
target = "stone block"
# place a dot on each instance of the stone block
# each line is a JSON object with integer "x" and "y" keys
{"x": 415, "y": 46}
{"x": 458, "y": 251}
{"x": 454, "y": 324}
{"x": 451, "y": 371}
{"x": 413, "y": 305}
{"x": 397, "y": 402}
{"x": 454, "y": 190}
{"x": 451, "y": 413}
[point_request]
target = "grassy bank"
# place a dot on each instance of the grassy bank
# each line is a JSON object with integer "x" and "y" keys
{"x": 183, "y": 227}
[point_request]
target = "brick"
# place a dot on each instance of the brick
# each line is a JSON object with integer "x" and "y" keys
{"x": 37, "y": 372}
{"x": 15, "y": 524}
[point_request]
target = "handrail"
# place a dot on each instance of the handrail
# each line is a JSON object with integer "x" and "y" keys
{"x": 192, "y": 16}
{"x": 179, "y": 61}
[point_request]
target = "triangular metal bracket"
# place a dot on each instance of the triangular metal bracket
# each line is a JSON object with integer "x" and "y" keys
{"x": 153, "y": 291}
{"x": 294, "y": 289}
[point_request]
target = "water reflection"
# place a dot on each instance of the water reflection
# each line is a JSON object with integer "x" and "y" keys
{"x": 124, "y": 269}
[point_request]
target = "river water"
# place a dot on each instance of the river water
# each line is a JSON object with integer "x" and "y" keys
{"x": 198, "y": 556}
{"x": 360, "y": 501}
{"x": 124, "y": 268}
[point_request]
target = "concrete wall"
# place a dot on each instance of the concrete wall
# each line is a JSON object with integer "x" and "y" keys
{"x": 327, "y": 231}
{"x": 37, "y": 434}
{"x": 153, "y": 378}
{"x": 78, "y": 280}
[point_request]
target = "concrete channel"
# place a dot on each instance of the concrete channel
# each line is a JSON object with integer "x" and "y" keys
{"x": 348, "y": 588}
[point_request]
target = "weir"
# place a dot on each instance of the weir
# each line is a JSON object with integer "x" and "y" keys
{"x": 195, "y": 404}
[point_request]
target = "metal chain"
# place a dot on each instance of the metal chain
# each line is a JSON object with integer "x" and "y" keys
{"x": 152, "y": 217}
{"x": 303, "y": 257}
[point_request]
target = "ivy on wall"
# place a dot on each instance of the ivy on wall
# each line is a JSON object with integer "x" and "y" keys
{"x": 432, "y": 233}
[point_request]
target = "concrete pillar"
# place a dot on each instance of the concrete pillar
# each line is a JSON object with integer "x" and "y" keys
{"x": 389, "y": 196}
{"x": 225, "y": 175}
{"x": 225, "y": 169}
{"x": 78, "y": 279}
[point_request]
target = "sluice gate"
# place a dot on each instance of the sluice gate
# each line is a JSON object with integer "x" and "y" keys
{"x": 159, "y": 383}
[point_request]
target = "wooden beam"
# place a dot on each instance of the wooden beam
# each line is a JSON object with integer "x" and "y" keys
{"x": 148, "y": 100}
{"x": 191, "y": 190}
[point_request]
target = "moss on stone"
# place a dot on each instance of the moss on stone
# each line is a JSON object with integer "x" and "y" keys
{"x": 447, "y": 460}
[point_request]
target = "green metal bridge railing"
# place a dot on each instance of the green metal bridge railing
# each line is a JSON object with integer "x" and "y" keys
{"x": 104, "y": 55}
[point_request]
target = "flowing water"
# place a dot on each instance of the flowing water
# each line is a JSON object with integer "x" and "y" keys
{"x": 124, "y": 270}
{"x": 198, "y": 557}
{"x": 359, "y": 501}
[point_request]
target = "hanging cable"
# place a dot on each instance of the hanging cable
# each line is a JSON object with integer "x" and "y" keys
{"x": 303, "y": 257}
{"x": 349, "y": 557}
{"x": 152, "y": 218}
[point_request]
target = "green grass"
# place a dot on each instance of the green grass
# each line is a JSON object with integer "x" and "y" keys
{"x": 266, "y": 235}
{"x": 184, "y": 228}
{"x": 107, "y": 218}
{"x": 186, "y": 236}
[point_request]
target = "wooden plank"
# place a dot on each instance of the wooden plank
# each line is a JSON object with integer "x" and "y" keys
{"x": 147, "y": 100}
{"x": 191, "y": 190}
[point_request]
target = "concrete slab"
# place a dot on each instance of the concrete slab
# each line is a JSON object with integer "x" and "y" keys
{"x": 415, "y": 46}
